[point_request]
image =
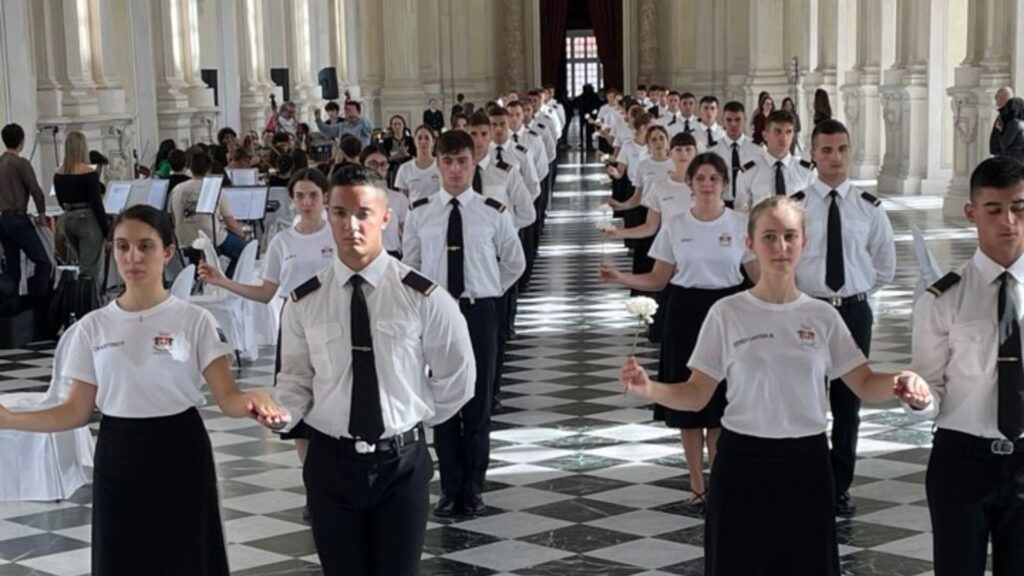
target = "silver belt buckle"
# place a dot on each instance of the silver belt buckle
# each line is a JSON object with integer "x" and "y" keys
{"x": 1002, "y": 447}
{"x": 363, "y": 447}
{"x": 836, "y": 301}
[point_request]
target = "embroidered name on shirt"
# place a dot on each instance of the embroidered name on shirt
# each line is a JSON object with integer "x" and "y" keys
{"x": 749, "y": 339}
{"x": 106, "y": 345}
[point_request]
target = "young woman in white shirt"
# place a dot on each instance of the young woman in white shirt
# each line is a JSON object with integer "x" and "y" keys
{"x": 141, "y": 360}
{"x": 697, "y": 256}
{"x": 294, "y": 256}
{"x": 772, "y": 481}
{"x": 420, "y": 178}
{"x": 623, "y": 170}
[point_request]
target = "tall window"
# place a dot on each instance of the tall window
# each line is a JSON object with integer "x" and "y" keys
{"x": 581, "y": 63}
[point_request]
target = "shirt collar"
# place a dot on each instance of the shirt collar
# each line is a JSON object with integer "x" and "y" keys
{"x": 712, "y": 127}
{"x": 990, "y": 270}
{"x": 772, "y": 159}
{"x": 373, "y": 273}
{"x": 467, "y": 197}
{"x": 484, "y": 162}
{"x": 729, "y": 142}
{"x": 823, "y": 189}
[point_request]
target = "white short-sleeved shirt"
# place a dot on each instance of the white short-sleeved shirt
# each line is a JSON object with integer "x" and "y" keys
{"x": 419, "y": 183}
{"x": 777, "y": 358}
{"x": 145, "y": 364}
{"x": 706, "y": 255}
{"x": 392, "y": 236}
{"x": 630, "y": 154}
{"x": 650, "y": 171}
{"x": 668, "y": 197}
{"x": 293, "y": 257}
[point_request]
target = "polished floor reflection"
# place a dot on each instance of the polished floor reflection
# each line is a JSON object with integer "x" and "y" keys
{"x": 581, "y": 481}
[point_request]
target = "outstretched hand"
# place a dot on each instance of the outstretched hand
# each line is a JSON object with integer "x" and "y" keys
{"x": 634, "y": 378}
{"x": 262, "y": 408}
{"x": 912, "y": 389}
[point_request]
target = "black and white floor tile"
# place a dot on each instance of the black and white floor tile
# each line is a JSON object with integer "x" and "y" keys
{"x": 581, "y": 481}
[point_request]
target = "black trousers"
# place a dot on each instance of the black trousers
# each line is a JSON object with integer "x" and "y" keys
{"x": 845, "y": 404}
{"x": 369, "y": 511}
{"x": 506, "y": 310}
{"x": 463, "y": 443}
{"x": 971, "y": 495}
{"x": 17, "y": 235}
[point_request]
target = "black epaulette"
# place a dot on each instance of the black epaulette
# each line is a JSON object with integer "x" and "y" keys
{"x": 541, "y": 126}
{"x": 874, "y": 200}
{"x": 531, "y": 131}
{"x": 495, "y": 204}
{"x": 798, "y": 196}
{"x": 521, "y": 148}
{"x": 503, "y": 165}
{"x": 305, "y": 289}
{"x": 419, "y": 203}
{"x": 944, "y": 283}
{"x": 806, "y": 164}
{"x": 419, "y": 283}
{"x": 749, "y": 165}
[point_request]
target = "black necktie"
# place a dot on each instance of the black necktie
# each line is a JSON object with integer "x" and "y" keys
{"x": 674, "y": 118}
{"x": 478, "y": 181}
{"x": 711, "y": 141}
{"x": 780, "y": 179}
{"x": 735, "y": 166}
{"x": 835, "y": 272}
{"x": 515, "y": 138}
{"x": 365, "y": 419}
{"x": 1011, "y": 370}
{"x": 686, "y": 126}
{"x": 500, "y": 149}
{"x": 456, "y": 266}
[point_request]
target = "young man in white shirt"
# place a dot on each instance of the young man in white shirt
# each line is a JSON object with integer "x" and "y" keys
{"x": 735, "y": 147}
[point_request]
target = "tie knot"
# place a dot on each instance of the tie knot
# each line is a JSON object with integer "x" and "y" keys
{"x": 735, "y": 145}
{"x": 454, "y": 202}
{"x": 357, "y": 281}
{"x": 1006, "y": 277}
{"x": 834, "y": 194}
{"x": 779, "y": 164}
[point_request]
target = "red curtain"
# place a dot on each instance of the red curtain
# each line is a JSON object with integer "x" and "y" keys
{"x": 606, "y": 17}
{"x": 552, "y": 39}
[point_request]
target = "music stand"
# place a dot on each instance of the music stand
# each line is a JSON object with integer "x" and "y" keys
{"x": 116, "y": 198}
{"x": 248, "y": 203}
{"x": 243, "y": 176}
{"x": 209, "y": 199}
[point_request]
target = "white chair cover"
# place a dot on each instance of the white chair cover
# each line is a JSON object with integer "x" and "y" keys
{"x": 928, "y": 271}
{"x": 50, "y": 466}
{"x": 238, "y": 317}
{"x": 182, "y": 287}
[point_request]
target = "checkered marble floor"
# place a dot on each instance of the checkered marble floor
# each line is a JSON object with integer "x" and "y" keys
{"x": 581, "y": 481}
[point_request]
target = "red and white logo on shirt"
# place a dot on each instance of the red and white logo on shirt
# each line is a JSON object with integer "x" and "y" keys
{"x": 807, "y": 336}
{"x": 163, "y": 342}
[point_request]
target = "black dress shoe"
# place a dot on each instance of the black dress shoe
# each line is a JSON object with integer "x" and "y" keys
{"x": 474, "y": 505}
{"x": 845, "y": 506}
{"x": 446, "y": 507}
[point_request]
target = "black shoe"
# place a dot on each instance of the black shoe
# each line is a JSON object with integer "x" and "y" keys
{"x": 446, "y": 507}
{"x": 845, "y": 506}
{"x": 474, "y": 505}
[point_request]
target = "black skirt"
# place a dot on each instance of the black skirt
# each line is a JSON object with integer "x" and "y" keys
{"x": 685, "y": 312}
{"x": 771, "y": 508}
{"x": 155, "y": 506}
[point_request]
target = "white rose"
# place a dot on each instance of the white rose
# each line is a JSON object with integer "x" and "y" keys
{"x": 642, "y": 307}
{"x": 199, "y": 244}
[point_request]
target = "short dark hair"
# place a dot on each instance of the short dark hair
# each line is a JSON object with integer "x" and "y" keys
{"x": 460, "y": 97}
{"x": 350, "y": 146}
{"x": 350, "y": 175}
{"x": 708, "y": 159}
{"x": 371, "y": 149}
{"x": 682, "y": 139}
{"x": 223, "y": 134}
{"x": 708, "y": 98}
{"x": 685, "y": 95}
{"x": 332, "y": 105}
{"x": 479, "y": 118}
{"x": 200, "y": 164}
{"x": 308, "y": 175}
{"x": 828, "y": 127}
{"x": 156, "y": 219}
{"x": 673, "y": 93}
{"x": 460, "y": 116}
{"x": 453, "y": 142}
{"x": 781, "y": 117}
{"x": 734, "y": 106}
{"x": 641, "y": 87}
{"x": 281, "y": 137}
{"x": 13, "y": 136}
{"x": 358, "y": 106}
{"x": 1000, "y": 172}
{"x": 511, "y": 105}
{"x": 497, "y": 111}
{"x": 178, "y": 160}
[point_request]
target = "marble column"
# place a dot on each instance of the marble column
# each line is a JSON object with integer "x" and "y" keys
{"x": 110, "y": 87}
{"x": 649, "y": 50}
{"x": 253, "y": 71}
{"x": 19, "y": 105}
{"x": 63, "y": 50}
{"x": 302, "y": 76}
{"x": 986, "y": 68}
{"x": 401, "y": 91}
{"x": 766, "y": 69}
{"x": 860, "y": 94}
{"x": 515, "y": 47}
{"x": 912, "y": 162}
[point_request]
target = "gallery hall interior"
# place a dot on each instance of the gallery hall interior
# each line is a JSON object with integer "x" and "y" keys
{"x": 511, "y": 287}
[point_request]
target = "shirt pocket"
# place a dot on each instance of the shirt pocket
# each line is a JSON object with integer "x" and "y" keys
{"x": 433, "y": 242}
{"x": 972, "y": 344}
{"x": 397, "y": 344}
{"x": 326, "y": 348}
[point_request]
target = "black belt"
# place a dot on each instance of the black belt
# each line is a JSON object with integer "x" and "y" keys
{"x": 392, "y": 444}
{"x": 467, "y": 301}
{"x": 13, "y": 211}
{"x": 840, "y": 301}
{"x": 77, "y": 206}
{"x": 976, "y": 445}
